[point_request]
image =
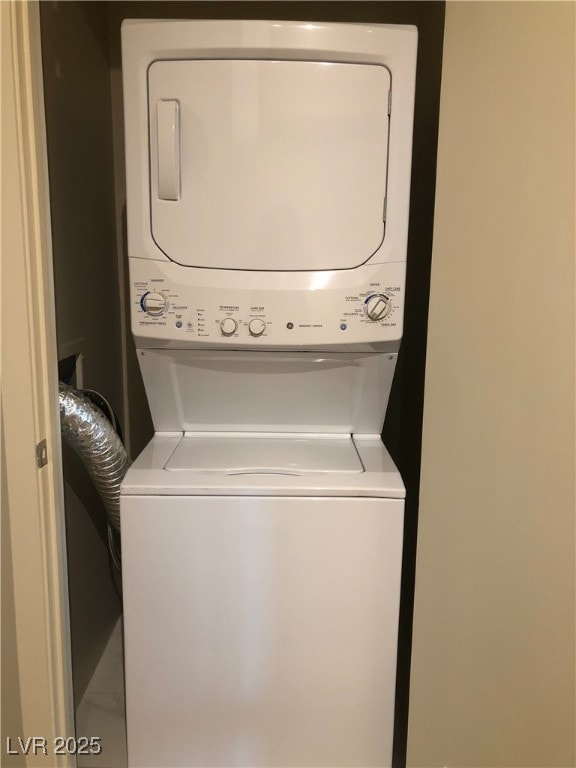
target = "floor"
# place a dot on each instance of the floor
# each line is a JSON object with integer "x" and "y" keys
{"x": 102, "y": 712}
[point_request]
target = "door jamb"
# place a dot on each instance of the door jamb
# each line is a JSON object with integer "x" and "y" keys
{"x": 30, "y": 411}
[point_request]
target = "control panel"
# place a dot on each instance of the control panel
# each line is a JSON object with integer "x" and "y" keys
{"x": 322, "y": 308}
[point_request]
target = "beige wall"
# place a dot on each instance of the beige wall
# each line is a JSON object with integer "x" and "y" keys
{"x": 493, "y": 652}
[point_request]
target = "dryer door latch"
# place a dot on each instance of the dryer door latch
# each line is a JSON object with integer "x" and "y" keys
{"x": 168, "y": 124}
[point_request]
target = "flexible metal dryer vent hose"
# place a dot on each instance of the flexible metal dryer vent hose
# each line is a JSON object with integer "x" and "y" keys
{"x": 87, "y": 430}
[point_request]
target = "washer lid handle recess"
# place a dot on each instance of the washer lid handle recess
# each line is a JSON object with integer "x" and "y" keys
{"x": 266, "y": 454}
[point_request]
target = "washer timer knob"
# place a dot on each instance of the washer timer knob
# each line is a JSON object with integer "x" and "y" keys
{"x": 256, "y": 327}
{"x": 154, "y": 304}
{"x": 377, "y": 306}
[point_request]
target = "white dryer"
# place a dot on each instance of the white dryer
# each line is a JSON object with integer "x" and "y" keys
{"x": 268, "y": 170}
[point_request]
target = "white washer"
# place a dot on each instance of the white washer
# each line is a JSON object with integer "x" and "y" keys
{"x": 261, "y": 609}
{"x": 268, "y": 179}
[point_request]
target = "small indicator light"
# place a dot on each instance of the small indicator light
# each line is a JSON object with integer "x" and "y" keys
{"x": 343, "y": 326}
{"x": 289, "y": 326}
{"x": 178, "y": 324}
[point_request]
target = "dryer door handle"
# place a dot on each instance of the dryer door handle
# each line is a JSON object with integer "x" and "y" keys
{"x": 168, "y": 125}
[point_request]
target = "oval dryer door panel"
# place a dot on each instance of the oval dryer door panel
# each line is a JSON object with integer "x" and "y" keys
{"x": 268, "y": 165}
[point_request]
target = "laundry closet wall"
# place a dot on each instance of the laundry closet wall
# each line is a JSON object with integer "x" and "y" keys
{"x": 88, "y": 321}
{"x": 84, "y": 115}
{"x": 494, "y": 647}
{"x": 493, "y": 678}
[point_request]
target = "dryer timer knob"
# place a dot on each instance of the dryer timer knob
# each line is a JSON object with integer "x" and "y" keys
{"x": 377, "y": 307}
{"x": 154, "y": 304}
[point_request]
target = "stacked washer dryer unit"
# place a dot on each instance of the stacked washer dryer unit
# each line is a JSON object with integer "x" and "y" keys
{"x": 268, "y": 176}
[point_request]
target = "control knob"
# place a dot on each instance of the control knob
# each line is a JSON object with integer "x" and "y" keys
{"x": 228, "y": 326}
{"x": 256, "y": 327}
{"x": 154, "y": 304}
{"x": 377, "y": 307}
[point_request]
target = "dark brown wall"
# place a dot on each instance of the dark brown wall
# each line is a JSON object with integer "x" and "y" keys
{"x": 81, "y": 179}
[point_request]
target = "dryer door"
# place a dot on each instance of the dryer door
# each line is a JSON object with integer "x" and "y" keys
{"x": 268, "y": 165}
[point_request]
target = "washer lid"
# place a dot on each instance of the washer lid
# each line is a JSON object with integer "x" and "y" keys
{"x": 268, "y": 165}
{"x": 269, "y": 454}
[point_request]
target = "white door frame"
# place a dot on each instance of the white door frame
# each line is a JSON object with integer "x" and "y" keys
{"x": 34, "y": 494}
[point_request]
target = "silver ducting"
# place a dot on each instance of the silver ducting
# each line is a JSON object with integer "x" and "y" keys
{"x": 87, "y": 430}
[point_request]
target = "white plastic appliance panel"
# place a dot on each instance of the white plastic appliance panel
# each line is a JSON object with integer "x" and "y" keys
{"x": 282, "y": 163}
{"x": 227, "y": 391}
{"x": 381, "y": 46}
{"x": 147, "y": 476}
{"x": 314, "y": 309}
{"x": 238, "y": 454}
{"x": 260, "y": 631}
